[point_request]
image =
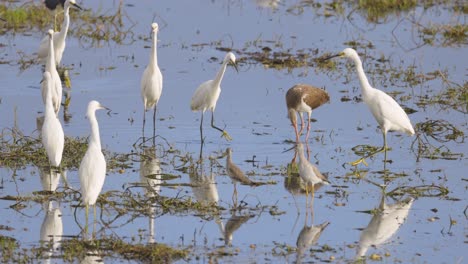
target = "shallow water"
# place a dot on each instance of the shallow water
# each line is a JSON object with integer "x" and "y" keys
{"x": 252, "y": 108}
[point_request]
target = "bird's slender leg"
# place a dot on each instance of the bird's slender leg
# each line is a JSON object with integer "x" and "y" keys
{"x": 94, "y": 220}
{"x": 308, "y": 151}
{"x": 294, "y": 124}
{"x": 154, "y": 125}
{"x": 201, "y": 128}
{"x": 302, "y": 123}
{"x": 50, "y": 178}
{"x": 385, "y": 145}
{"x": 234, "y": 196}
{"x": 225, "y": 134}
{"x": 308, "y": 127}
{"x": 86, "y": 214}
{"x": 144, "y": 121}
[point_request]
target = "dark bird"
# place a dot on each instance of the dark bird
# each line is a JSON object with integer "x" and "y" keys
{"x": 304, "y": 98}
{"x": 52, "y": 4}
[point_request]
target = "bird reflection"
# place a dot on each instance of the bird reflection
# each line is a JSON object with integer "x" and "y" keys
{"x": 233, "y": 224}
{"x": 273, "y": 4}
{"x": 92, "y": 257}
{"x": 52, "y": 228}
{"x": 308, "y": 237}
{"x": 204, "y": 189}
{"x": 384, "y": 224}
{"x": 309, "y": 173}
{"x": 203, "y": 186}
{"x": 150, "y": 177}
{"x": 50, "y": 178}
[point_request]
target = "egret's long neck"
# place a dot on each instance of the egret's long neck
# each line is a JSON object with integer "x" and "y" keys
{"x": 220, "y": 74}
{"x": 49, "y": 107}
{"x": 51, "y": 57}
{"x": 66, "y": 23}
{"x": 154, "y": 51}
{"x": 95, "y": 139}
{"x": 362, "y": 76}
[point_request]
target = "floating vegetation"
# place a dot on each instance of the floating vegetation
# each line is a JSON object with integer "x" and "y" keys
{"x": 19, "y": 151}
{"x": 452, "y": 96}
{"x": 419, "y": 191}
{"x": 115, "y": 247}
{"x": 377, "y": 10}
{"x": 440, "y": 131}
{"x": 445, "y": 35}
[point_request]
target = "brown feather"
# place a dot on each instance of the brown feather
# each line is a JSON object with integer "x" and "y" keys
{"x": 312, "y": 96}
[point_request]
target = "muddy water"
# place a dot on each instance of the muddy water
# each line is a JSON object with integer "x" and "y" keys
{"x": 251, "y": 106}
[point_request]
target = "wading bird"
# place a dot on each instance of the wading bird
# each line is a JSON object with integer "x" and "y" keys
{"x": 386, "y": 111}
{"x": 237, "y": 175}
{"x": 52, "y": 132}
{"x": 151, "y": 82}
{"x": 304, "y": 98}
{"x": 55, "y": 78}
{"x": 93, "y": 166}
{"x": 207, "y": 94}
{"x": 309, "y": 173}
{"x": 59, "y": 37}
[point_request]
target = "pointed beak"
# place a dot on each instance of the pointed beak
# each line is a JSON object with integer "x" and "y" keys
{"x": 105, "y": 108}
{"x": 77, "y": 6}
{"x": 235, "y": 66}
{"x": 331, "y": 57}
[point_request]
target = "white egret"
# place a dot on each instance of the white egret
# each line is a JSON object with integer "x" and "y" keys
{"x": 56, "y": 82}
{"x": 304, "y": 98}
{"x": 93, "y": 166}
{"x": 308, "y": 172}
{"x": 151, "y": 82}
{"x": 207, "y": 94}
{"x": 59, "y": 37}
{"x": 386, "y": 111}
{"x": 52, "y": 132}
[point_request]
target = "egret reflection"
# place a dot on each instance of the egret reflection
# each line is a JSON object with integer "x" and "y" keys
{"x": 50, "y": 178}
{"x": 203, "y": 185}
{"x": 150, "y": 177}
{"x": 384, "y": 224}
{"x": 52, "y": 228}
{"x": 272, "y": 4}
{"x": 92, "y": 257}
{"x": 204, "y": 189}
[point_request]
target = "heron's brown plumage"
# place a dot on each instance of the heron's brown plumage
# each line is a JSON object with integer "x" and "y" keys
{"x": 312, "y": 96}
